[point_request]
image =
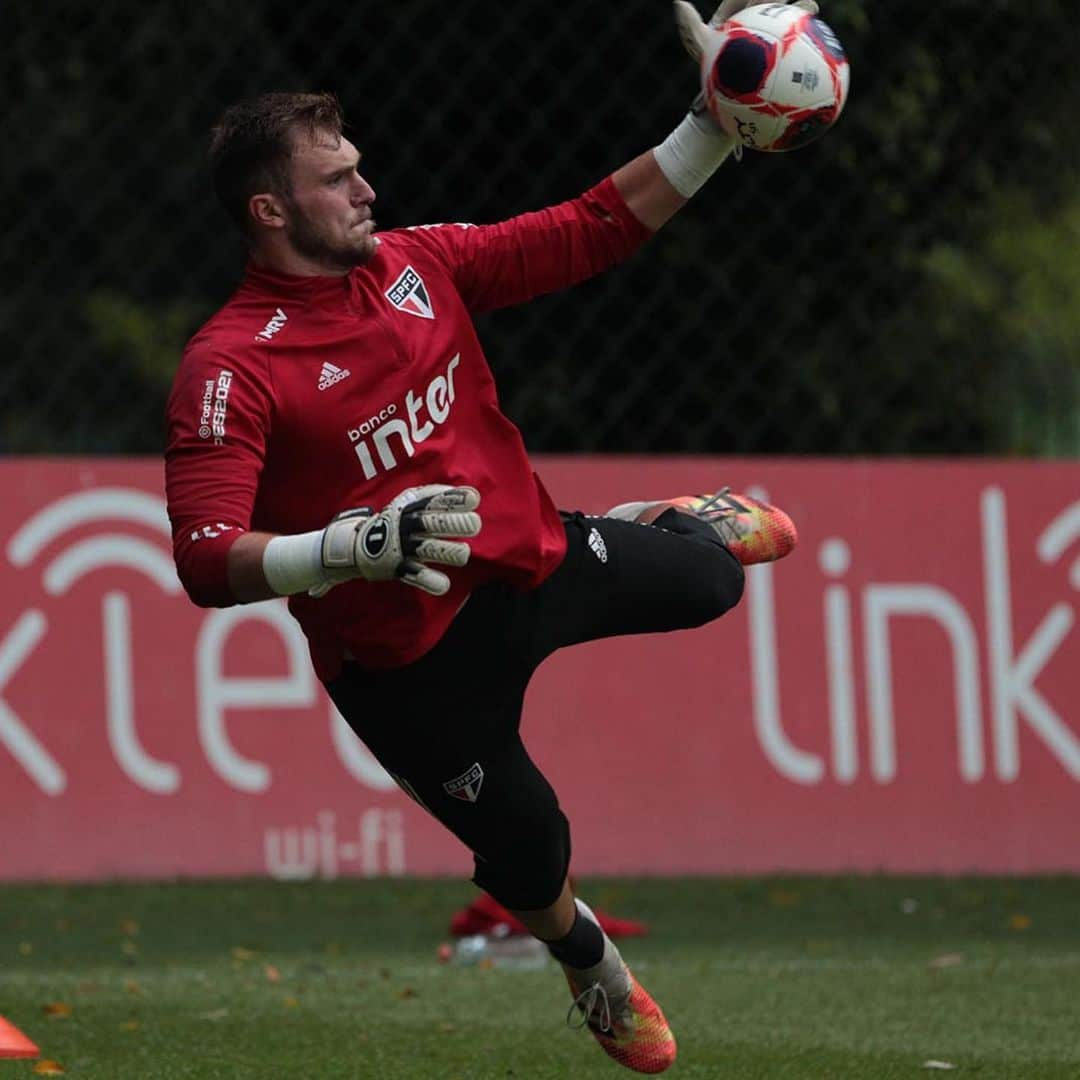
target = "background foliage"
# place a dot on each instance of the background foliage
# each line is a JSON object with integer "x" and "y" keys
{"x": 909, "y": 285}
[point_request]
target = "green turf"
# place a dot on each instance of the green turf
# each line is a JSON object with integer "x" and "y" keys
{"x": 826, "y": 979}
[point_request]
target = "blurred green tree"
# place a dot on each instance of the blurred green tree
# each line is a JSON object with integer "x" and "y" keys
{"x": 908, "y": 285}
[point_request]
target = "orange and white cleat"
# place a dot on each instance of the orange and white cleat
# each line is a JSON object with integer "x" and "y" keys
{"x": 752, "y": 530}
{"x": 631, "y": 1028}
{"x": 619, "y": 1012}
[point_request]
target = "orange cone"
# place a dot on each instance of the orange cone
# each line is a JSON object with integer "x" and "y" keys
{"x": 13, "y": 1043}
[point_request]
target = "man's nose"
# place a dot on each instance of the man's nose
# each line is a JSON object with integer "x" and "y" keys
{"x": 363, "y": 192}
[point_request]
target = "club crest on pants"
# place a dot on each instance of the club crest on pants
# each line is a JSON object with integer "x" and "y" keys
{"x": 466, "y": 787}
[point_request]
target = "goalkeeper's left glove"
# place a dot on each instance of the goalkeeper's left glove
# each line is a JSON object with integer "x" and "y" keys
{"x": 699, "y": 146}
{"x": 694, "y": 31}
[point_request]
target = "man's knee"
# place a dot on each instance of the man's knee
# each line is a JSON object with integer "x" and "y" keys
{"x": 727, "y": 584}
{"x": 717, "y": 588}
{"x": 718, "y": 576}
{"x": 526, "y": 869}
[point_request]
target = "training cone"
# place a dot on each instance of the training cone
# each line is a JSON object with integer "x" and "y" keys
{"x": 13, "y": 1043}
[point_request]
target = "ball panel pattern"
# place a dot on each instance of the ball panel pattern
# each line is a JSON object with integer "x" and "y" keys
{"x": 776, "y": 77}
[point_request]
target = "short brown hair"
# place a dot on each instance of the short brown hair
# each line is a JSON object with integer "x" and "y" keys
{"x": 251, "y": 144}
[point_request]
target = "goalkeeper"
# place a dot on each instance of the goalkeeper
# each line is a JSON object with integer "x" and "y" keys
{"x": 335, "y": 437}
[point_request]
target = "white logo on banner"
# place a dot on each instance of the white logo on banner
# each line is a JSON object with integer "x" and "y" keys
{"x": 987, "y": 733}
{"x": 215, "y": 692}
{"x": 1013, "y": 672}
{"x": 299, "y": 853}
{"x": 73, "y": 563}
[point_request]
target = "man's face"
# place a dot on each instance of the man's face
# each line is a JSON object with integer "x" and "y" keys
{"x": 328, "y": 210}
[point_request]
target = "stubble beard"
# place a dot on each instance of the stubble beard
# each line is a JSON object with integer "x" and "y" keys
{"x": 311, "y": 241}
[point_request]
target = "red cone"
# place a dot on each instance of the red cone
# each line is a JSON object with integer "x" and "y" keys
{"x": 485, "y": 914}
{"x": 14, "y": 1044}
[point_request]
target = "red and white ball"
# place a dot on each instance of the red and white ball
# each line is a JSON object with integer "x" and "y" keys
{"x": 775, "y": 77}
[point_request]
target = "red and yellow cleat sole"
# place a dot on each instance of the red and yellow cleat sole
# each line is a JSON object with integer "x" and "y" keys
{"x": 641, "y": 1041}
{"x": 752, "y": 530}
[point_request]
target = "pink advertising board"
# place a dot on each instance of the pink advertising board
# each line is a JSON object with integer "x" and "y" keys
{"x": 901, "y": 694}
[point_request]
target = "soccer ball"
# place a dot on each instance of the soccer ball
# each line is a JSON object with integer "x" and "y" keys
{"x": 774, "y": 77}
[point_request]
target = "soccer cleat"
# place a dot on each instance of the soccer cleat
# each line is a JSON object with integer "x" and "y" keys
{"x": 622, "y": 1017}
{"x": 753, "y": 531}
{"x": 629, "y": 1026}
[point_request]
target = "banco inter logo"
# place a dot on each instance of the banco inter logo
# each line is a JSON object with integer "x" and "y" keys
{"x": 396, "y": 429}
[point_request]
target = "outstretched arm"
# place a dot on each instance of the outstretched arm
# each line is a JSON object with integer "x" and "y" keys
{"x": 647, "y": 192}
{"x": 542, "y": 251}
{"x": 657, "y": 184}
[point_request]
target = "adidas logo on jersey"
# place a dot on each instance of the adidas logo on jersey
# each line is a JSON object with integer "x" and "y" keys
{"x": 596, "y": 543}
{"x": 331, "y": 374}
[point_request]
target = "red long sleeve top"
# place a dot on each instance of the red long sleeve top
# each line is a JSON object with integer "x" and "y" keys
{"x": 305, "y": 396}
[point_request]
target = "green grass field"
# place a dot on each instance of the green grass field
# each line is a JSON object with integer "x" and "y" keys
{"x": 768, "y": 978}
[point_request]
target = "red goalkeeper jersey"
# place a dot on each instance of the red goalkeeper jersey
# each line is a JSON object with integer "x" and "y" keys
{"x": 305, "y": 396}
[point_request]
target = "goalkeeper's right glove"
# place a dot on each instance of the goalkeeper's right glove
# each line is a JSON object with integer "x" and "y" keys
{"x": 401, "y": 539}
{"x": 419, "y": 526}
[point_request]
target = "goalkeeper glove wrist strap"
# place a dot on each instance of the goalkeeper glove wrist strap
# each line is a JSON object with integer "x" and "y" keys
{"x": 293, "y": 564}
{"x": 692, "y": 153}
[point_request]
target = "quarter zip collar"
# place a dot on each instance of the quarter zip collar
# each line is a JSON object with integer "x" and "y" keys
{"x": 314, "y": 289}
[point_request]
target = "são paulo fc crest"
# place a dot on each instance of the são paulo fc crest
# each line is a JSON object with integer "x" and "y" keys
{"x": 409, "y": 294}
{"x": 466, "y": 787}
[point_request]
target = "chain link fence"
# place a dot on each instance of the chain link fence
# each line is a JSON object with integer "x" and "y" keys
{"x": 910, "y": 284}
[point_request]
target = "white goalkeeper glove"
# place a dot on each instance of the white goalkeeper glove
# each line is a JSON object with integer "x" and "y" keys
{"x": 399, "y": 541}
{"x": 698, "y": 146}
{"x": 418, "y": 527}
{"x": 694, "y": 31}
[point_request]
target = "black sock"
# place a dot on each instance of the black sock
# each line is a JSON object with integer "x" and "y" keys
{"x": 583, "y": 947}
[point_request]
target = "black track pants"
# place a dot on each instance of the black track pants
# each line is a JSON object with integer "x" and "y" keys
{"x": 446, "y": 726}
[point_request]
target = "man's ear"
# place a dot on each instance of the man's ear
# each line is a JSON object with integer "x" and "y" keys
{"x": 267, "y": 211}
